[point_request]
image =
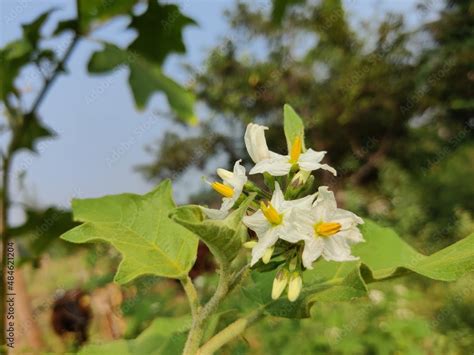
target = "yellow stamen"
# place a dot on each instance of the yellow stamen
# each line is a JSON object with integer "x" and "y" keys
{"x": 224, "y": 190}
{"x": 328, "y": 229}
{"x": 271, "y": 213}
{"x": 295, "y": 150}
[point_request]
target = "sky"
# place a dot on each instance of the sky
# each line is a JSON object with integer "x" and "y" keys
{"x": 100, "y": 134}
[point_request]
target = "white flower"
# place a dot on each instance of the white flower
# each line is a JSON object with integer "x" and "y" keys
{"x": 230, "y": 189}
{"x": 328, "y": 231}
{"x": 275, "y": 220}
{"x": 277, "y": 164}
{"x": 256, "y": 143}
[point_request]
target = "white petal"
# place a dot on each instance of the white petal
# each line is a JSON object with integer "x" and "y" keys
{"x": 336, "y": 248}
{"x": 352, "y": 235}
{"x": 325, "y": 205}
{"x": 303, "y": 203}
{"x": 310, "y": 160}
{"x": 289, "y": 232}
{"x": 313, "y": 248}
{"x": 265, "y": 241}
{"x": 239, "y": 170}
{"x": 225, "y": 174}
{"x": 257, "y": 222}
{"x": 328, "y": 168}
{"x": 256, "y": 143}
{"x": 278, "y": 200}
{"x": 303, "y": 221}
{"x": 238, "y": 179}
{"x": 278, "y": 165}
{"x": 214, "y": 214}
{"x": 228, "y": 202}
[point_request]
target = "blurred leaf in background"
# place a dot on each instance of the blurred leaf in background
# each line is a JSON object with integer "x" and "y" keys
{"x": 41, "y": 229}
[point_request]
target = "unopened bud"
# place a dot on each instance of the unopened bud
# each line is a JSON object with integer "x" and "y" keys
{"x": 294, "y": 286}
{"x": 293, "y": 264}
{"x": 250, "y": 244}
{"x": 279, "y": 283}
{"x": 268, "y": 255}
{"x": 300, "y": 178}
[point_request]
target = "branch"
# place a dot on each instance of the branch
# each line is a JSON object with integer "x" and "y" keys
{"x": 59, "y": 68}
{"x": 230, "y": 332}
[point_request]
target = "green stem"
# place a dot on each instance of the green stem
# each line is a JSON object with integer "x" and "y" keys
{"x": 192, "y": 295}
{"x": 197, "y": 328}
{"x": 229, "y": 333}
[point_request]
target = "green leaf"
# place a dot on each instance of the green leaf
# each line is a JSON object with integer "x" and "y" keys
{"x": 145, "y": 79}
{"x": 41, "y": 229}
{"x": 163, "y": 336}
{"x": 30, "y": 132}
{"x": 19, "y": 53}
{"x": 93, "y": 11}
{"x": 32, "y": 31}
{"x": 139, "y": 227}
{"x": 159, "y": 32}
{"x": 64, "y": 26}
{"x": 327, "y": 282}
{"x": 223, "y": 237}
{"x": 279, "y": 9}
{"x": 387, "y": 255}
{"x": 13, "y": 57}
{"x": 293, "y": 126}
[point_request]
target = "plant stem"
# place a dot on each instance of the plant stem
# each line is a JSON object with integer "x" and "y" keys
{"x": 192, "y": 295}
{"x": 59, "y": 68}
{"x": 197, "y": 330}
{"x": 230, "y": 332}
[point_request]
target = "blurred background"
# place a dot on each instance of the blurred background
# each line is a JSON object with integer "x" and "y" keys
{"x": 109, "y": 96}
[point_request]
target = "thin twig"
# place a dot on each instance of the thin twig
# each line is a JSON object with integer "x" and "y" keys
{"x": 59, "y": 67}
{"x": 50, "y": 80}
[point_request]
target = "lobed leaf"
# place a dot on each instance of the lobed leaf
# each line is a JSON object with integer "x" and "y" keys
{"x": 30, "y": 132}
{"x": 139, "y": 227}
{"x": 386, "y": 255}
{"x": 93, "y": 11}
{"x": 159, "y": 30}
{"x": 146, "y": 78}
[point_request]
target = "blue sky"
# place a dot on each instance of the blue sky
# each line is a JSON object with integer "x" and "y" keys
{"x": 101, "y": 136}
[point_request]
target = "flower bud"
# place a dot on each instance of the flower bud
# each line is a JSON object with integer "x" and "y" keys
{"x": 300, "y": 178}
{"x": 279, "y": 283}
{"x": 268, "y": 255}
{"x": 250, "y": 244}
{"x": 293, "y": 264}
{"x": 294, "y": 286}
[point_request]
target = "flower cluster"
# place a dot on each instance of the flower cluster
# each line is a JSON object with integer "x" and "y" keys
{"x": 294, "y": 224}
